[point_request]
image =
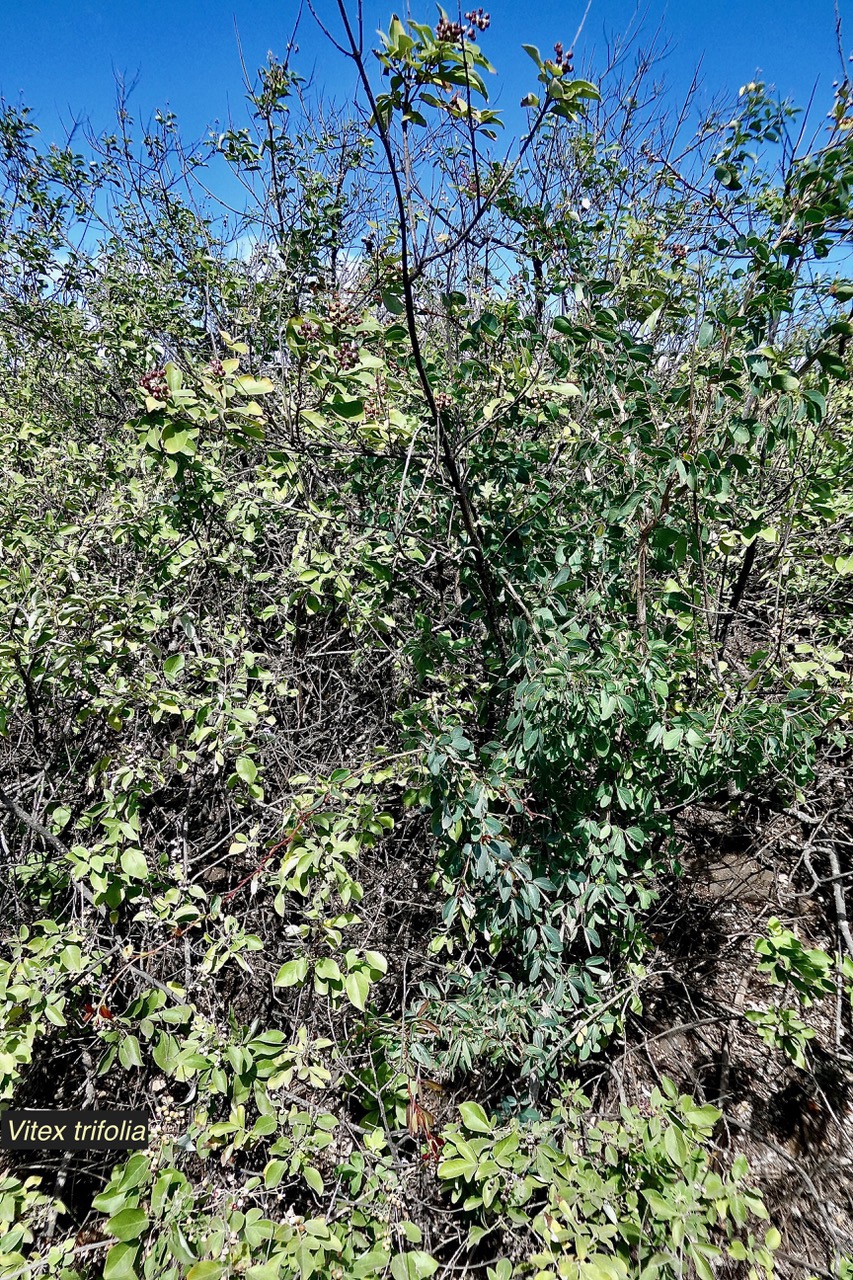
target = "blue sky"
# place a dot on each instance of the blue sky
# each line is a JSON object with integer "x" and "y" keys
{"x": 60, "y": 56}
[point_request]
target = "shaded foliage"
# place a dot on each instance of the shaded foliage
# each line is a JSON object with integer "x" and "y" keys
{"x": 383, "y": 575}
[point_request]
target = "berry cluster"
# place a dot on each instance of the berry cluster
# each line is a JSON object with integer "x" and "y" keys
{"x": 447, "y": 30}
{"x": 563, "y": 60}
{"x": 516, "y": 284}
{"x": 308, "y": 331}
{"x": 456, "y": 31}
{"x": 478, "y": 19}
{"x": 217, "y": 368}
{"x": 374, "y": 405}
{"x": 679, "y": 252}
{"x": 443, "y": 401}
{"x": 337, "y": 312}
{"x": 468, "y": 181}
{"x": 347, "y": 355}
{"x": 165, "y": 1126}
{"x": 154, "y": 384}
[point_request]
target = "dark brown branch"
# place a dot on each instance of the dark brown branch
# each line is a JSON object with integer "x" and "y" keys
{"x": 439, "y": 417}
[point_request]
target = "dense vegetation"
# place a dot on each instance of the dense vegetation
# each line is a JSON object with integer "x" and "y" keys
{"x": 407, "y": 560}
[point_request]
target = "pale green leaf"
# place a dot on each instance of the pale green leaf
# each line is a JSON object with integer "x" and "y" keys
{"x": 474, "y": 1117}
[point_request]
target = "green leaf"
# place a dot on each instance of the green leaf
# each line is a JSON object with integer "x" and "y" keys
{"x": 377, "y": 961}
{"x": 327, "y": 970}
{"x": 313, "y": 1178}
{"x": 133, "y": 864}
{"x": 118, "y": 1264}
{"x": 254, "y": 386}
{"x": 661, "y": 1208}
{"x": 415, "y": 1265}
{"x": 727, "y": 177}
{"x": 675, "y": 1146}
{"x": 348, "y": 409}
{"x": 127, "y": 1225}
{"x": 457, "y": 1167}
{"x": 392, "y": 303}
{"x": 55, "y": 1015}
{"x": 651, "y": 320}
{"x": 174, "y": 666}
{"x": 129, "y": 1054}
{"x": 274, "y": 1172}
{"x": 704, "y": 1117}
{"x": 842, "y": 290}
{"x": 70, "y": 958}
{"x": 357, "y": 986}
{"x": 175, "y": 439}
{"x": 246, "y": 768}
{"x": 370, "y": 1264}
{"x": 704, "y": 1270}
{"x": 583, "y": 89}
{"x": 396, "y": 32}
{"x": 474, "y": 1117}
{"x": 772, "y": 1238}
{"x": 818, "y": 403}
{"x": 291, "y": 973}
{"x": 207, "y": 1270}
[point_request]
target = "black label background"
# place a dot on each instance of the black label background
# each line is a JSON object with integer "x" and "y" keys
{"x": 69, "y": 1121}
